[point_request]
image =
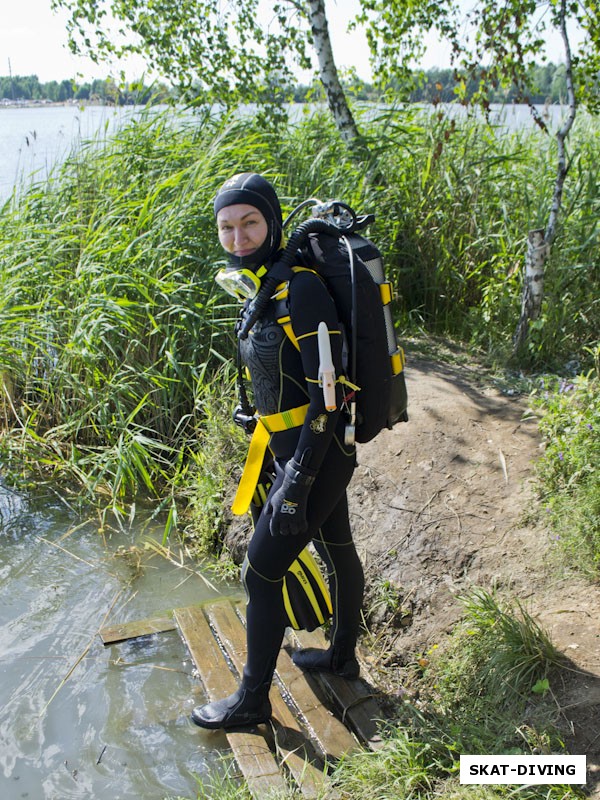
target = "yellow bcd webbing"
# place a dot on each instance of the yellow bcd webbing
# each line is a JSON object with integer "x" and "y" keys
{"x": 265, "y": 426}
{"x": 283, "y": 291}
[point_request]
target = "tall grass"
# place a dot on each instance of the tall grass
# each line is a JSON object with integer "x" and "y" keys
{"x": 454, "y": 202}
{"x": 109, "y": 322}
{"x": 112, "y": 333}
{"x": 569, "y": 470}
{"x": 462, "y": 205}
{"x": 478, "y": 694}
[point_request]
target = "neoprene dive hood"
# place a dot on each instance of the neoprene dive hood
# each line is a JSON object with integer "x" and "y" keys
{"x": 254, "y": 190}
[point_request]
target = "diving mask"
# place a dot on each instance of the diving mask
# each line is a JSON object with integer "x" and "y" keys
{"x": 243, "y": 284}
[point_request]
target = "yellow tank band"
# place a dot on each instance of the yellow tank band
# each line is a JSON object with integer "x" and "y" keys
{"x": 398, "y": 361}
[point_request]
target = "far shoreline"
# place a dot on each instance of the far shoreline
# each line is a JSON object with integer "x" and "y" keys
{"x": 7, "y": 103}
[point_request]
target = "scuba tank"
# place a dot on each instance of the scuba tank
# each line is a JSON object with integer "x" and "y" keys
{"x": 364, "y": 373}
{"x": 352, "y": 268}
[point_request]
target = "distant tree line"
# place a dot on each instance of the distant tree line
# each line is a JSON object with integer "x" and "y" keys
{"x": 548, "y": 80}
{"x": 427, "y": 86}
{"x": 438, "y": 86}
{"x": 106, "y": 91}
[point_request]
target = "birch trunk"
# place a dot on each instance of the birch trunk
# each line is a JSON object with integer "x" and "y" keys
{"x": 540, "y": 241}
{"x": 533, "y": 285}
{"x": 562, "y": 133}
{"x": 336, "y": 99}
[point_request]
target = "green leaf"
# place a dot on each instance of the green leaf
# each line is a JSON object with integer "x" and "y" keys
{"x": 541, "y": 686}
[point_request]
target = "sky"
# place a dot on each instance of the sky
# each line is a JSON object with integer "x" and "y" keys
{"x": 34, "y": 39}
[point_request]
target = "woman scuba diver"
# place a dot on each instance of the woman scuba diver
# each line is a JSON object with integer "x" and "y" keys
{"x": 297, "y": 454}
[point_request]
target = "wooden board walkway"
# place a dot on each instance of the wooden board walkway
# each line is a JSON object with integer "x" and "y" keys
{"x": 316, "y": 719}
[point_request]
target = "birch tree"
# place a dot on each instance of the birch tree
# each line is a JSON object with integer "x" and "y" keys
{"x": 497, "y": 43}
{"x": 539, "y": 242}
{"x": 336, "y": 98}
{"x": 228, "y": 53}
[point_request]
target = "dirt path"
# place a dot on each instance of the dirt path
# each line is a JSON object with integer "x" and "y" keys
{"x": 445, "y": 503}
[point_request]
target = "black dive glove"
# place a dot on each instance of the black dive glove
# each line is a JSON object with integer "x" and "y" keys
{"x": 288, "y": 504}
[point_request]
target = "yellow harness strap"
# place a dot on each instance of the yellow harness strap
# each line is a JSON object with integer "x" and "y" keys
{"x": 283, "y": 291}
{"x": 265, "y": 426}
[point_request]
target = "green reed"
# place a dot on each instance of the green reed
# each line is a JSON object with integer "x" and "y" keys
{"x": 110, "y": 323}
{"x": 461, "y": 202}
{"x": 454, "y": 201}
{"x": 113, "y": 336}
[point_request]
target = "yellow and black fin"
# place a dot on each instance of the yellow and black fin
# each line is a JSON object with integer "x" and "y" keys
{"x": 305, "y": 594}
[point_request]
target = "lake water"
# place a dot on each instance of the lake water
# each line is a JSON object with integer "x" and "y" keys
{"x": 33, "y": 140}
{"x": 79, "y": 720}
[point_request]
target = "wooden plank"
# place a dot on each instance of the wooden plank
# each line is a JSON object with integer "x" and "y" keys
{"x": 249, "y": 747}
{"x": 111, "y": 634}
{"x": 159, "y": 623}
{"x": 293, "y": 743}
{"x": 356, "y": 704}
{"x": 333, "y": 737}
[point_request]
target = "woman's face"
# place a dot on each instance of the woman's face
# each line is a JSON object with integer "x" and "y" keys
{"x": 242, "y": 229}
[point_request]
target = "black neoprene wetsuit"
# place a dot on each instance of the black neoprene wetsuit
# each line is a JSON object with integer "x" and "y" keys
{"x": 283, "y": 378}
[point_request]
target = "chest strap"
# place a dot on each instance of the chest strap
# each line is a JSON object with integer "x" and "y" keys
{"x": 265, "y": 426}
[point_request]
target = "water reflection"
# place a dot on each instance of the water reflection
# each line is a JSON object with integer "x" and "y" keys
{"x": 79, "y": 720}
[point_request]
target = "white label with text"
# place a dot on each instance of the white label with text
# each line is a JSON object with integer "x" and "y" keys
{"x": 523, "y": 770}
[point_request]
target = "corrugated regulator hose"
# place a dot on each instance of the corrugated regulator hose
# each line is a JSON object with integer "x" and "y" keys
{"x": 282, "y": 269}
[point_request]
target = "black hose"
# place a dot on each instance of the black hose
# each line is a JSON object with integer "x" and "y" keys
{"x": 353, "y": 309}
{"x": 282, "y": 269}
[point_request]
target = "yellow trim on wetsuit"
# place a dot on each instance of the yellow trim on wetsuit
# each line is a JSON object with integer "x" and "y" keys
{"x": 281, "y": 293}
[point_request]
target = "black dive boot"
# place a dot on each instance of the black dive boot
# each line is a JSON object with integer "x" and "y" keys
{"x": 337, "y": 661}
{"x": 243, "y": 707}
